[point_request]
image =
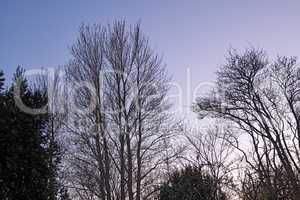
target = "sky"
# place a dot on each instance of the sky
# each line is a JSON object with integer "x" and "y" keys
{"x": 193, "y": 36}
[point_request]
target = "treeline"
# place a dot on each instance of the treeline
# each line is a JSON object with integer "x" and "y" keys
{"x": 101, "y": 127}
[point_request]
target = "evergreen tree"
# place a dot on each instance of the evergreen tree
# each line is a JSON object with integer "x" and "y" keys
{"x": 24, "y": 171}
{"x": 56, "y": 189}
{"x": 190, "y": 183}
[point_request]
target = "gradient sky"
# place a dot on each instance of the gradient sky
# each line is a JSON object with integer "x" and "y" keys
{"x": 189, "y": 34}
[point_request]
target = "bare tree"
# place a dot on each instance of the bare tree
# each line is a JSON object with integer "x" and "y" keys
{"x": 213, "y": 153}
{"x": 120, "y": 143}
{"x": 261, "y": 98}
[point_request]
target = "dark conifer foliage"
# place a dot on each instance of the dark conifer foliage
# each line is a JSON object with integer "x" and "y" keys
{"x": 190, "y": 183}
{"x": 25, "y": 168}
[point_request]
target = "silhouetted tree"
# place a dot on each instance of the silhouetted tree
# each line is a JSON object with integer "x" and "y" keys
{"x": 29, "y": 156}
{"x": 262, "y": 100}
{"x": 52, "y": 87}
{"x": 254, "y": 188}
{"x": 190, "y": 183}
{"x": 24, "y": 170}
{"x": 214, "y": 153}
{"x": 120, "y": 142}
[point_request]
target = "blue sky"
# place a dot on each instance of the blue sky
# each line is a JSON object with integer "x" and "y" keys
{"x": 189, "y": 34}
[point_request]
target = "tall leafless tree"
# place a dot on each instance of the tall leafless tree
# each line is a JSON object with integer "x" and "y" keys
{"x": 121, "y": 137}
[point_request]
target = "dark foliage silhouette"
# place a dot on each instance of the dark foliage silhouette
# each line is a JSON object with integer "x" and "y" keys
{"x": 190, "y": 183}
